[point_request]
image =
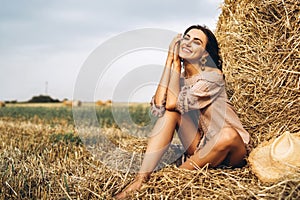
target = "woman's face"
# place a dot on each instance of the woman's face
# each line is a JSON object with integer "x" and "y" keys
{"x": 192, "y": 46}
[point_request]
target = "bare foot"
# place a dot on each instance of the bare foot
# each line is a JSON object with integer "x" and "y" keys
{"x": 134, "y": 186}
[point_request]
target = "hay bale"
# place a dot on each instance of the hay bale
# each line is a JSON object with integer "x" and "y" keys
{"x": 67, "y": 103}
{"x": 260, "y": 44}
{"x": 70, "y": 103}
{"x": 100, "y": 103}
{"x": 103, "y": 103}
{"x": 76, "y": 103}
{"x": 2, "y": 104}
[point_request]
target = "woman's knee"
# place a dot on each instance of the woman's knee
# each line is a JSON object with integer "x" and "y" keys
{"x": 232, "y": 144}
{"x": 172, "y": 113}
{"x": 229, "y": 138}
{"x": 233, "y": 141}
{"x": 165, "y": 124}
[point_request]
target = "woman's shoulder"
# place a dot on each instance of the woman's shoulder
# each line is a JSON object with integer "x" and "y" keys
{"x": 213, "y": 76}
{"x": 213, "y": 70}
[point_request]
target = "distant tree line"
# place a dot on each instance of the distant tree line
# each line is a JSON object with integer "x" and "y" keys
{"x": 43, "y": 99}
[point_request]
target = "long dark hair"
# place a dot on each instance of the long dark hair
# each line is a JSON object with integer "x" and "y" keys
{"x": 212, "y": 47}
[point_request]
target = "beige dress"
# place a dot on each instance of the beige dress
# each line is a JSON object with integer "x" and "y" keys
{"x": 203, "y": 97}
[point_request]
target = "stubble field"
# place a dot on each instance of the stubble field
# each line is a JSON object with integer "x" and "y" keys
{"x": 43, "y": 157}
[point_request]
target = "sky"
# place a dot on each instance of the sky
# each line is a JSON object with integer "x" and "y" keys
{"x": 44, "y": 44}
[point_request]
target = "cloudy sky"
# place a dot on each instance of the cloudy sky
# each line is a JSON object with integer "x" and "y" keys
{"x": 44, "y": 44}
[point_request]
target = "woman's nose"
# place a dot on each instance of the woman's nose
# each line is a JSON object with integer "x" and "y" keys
{"x": 189, "y": 42}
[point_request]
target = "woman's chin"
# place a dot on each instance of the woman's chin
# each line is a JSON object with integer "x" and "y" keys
{"x": 185, "y": 57}
{"x": 188, "y": 58}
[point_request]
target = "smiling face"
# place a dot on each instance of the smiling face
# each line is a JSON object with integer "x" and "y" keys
{"x": 192, "y": 46}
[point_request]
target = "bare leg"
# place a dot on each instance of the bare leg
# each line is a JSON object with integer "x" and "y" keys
{"x": 159, "y": 140}
{"x": 230, "y": 145}
{"x": 188, "y": 134}
{"x": 162, "y": 135}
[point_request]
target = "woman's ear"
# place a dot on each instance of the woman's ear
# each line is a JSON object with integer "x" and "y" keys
{"x": 205, "y": 54}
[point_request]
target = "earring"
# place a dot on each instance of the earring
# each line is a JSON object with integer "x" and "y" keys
{"x": 203, "y": 61}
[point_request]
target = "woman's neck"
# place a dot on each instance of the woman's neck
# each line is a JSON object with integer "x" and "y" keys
{"x": 191, "y": 69}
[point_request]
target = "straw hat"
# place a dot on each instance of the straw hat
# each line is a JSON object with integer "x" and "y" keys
{"x": 276, "y": 159}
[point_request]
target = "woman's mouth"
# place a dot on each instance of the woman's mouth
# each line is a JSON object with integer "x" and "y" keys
{"x": 184, "y": 49}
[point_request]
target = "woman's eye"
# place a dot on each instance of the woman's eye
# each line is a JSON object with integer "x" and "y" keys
{"x": 186, "y": 38}
{"x": 197, "y": 43}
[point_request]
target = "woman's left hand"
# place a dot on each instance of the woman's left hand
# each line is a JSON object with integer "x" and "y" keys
{"x": 176, "y": 58}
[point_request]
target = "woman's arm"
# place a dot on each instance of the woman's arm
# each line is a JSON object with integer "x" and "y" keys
{"x": 174, "y": 83}
{"x": 160, "y": 94}
{"x": 161, "y": 91}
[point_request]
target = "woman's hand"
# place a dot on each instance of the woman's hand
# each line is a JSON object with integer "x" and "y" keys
{"x": 173, "y": 45}
{"x": 175, "y": 40}
{"x": 174, "y": 82}
{"x": 176, "y": 58}
{"x": 138, "y": 182}
{"x": 172, "y": 62}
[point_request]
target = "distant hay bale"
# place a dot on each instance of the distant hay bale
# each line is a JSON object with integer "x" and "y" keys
{"x": 260, "y": 47}
{"x": 77, "y": 103}
{"x": 70, "y": 103}
{"x": 2, "y": 104}
{"x": 100, "y": 103}
{"x": 103, "y": 103}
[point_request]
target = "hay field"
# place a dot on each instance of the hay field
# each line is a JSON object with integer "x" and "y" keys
{"x": 43, "y": 157}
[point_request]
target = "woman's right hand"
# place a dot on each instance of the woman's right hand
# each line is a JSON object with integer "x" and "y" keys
{"x": 139, "y": 180}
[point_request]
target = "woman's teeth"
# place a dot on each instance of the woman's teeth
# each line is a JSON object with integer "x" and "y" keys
{"x": 186, "y": 50}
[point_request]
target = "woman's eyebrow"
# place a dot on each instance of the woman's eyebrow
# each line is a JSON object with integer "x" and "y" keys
{"x": 194, "y": 38}
{"x": 198, "y": 39}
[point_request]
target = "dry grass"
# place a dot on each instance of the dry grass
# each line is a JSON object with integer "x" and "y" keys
{"x": 35, "y": 166}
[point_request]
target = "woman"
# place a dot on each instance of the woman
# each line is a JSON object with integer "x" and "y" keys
{"x": 193, "y": 102}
